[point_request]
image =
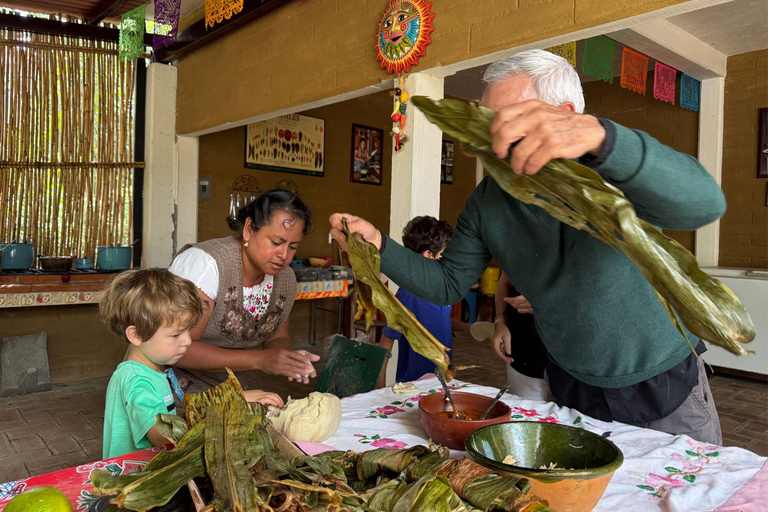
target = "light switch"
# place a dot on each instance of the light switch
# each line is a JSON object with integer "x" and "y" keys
{"x": 204, "y": 188}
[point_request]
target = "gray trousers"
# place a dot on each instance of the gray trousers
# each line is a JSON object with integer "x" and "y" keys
{"x": 696, "y": 417}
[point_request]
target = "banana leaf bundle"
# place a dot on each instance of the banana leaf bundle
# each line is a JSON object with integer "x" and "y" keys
{"x": 579, "y": 197}
{"x": 231, "y": 447}
{"x": 372, "y": 293}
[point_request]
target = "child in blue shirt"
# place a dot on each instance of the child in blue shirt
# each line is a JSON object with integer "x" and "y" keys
{"x": 427, "y": 236}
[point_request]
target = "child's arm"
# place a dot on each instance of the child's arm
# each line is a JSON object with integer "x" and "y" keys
{"x": 386, "y": 343}
{"x": 156, "y": 438}
{"x": 264, "y": 397}
{"x": 458, "y": 326}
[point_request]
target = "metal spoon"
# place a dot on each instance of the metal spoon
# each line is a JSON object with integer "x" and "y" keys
{"x": 448, "y": 394}
{"x": 495, "y": 400}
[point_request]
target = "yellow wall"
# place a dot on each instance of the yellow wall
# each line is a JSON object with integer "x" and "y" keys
{"x": 744, "y": 228}
{"x": 314, "y": 49}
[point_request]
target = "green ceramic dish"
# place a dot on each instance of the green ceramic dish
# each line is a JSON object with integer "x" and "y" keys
{"x": 535, "y": 444}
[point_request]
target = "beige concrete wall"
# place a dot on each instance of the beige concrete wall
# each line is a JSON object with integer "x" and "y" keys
{"x": 309, "y": 50}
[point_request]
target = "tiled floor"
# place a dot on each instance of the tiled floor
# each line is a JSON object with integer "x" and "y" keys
{"x": 48, "y": 431}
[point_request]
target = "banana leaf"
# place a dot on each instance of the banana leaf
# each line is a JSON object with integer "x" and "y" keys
{"x": 228, "y": 392}
{"x": 579, "y": 197}
{"x": 384, "y": 460}
{"x": 229, "y": 431}
{"x": 104, "y": 483}
{"x": 171, "y": 427}
{"x": 366, "y": 262}
{"x": 191, "y": 441}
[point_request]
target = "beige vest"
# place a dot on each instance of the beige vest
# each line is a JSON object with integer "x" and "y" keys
{"x": 231, "y": 326}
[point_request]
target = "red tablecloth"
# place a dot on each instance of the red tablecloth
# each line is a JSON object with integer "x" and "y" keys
{"x": 76, "y": 482}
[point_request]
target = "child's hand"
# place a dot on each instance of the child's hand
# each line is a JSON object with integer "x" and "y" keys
{"x": 264, "y": 397}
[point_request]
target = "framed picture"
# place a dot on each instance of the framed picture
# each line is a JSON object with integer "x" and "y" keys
{"x": 367, "y": 144}
{"x": 446, "y": 163}
{"x": 292, "y": 143}
{"x": 762, "y": 145}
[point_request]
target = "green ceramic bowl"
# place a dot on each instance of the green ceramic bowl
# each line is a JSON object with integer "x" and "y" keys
{"x": 585, "y": 462}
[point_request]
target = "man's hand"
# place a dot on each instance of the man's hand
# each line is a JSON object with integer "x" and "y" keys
{"x": 502, "y": 342}
{"x": 520, "y": 303}
{"x": 544, "y": 133}
{"x": 356, "y": 225}
{"x": 294, "y": 364}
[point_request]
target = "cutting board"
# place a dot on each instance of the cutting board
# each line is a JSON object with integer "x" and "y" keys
{"x": 352, "y": 368}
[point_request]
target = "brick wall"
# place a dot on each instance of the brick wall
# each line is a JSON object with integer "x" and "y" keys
{"x": 744, "y": 227}
{"x": 314, "y": 49}
{"x": 670, "y": 124}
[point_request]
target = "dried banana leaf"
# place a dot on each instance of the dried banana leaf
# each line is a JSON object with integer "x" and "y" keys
{"x": 384, "y": 460}
{"x": 191, "y": 441}
{"x": 171, "y": 427}
{"x": 105, "y": 483}
{"x": 229, "y": 432}
{"x": 366, "y": 261}
{"x": 579, "y": 197}
{"x": 228, "y": 392}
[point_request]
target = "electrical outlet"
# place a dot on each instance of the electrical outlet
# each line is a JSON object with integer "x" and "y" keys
{"x": 204, "y": 188}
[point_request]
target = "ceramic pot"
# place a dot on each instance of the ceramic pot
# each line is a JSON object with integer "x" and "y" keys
{"x": 534, "y": 444}
{"x": 451, "y": 432}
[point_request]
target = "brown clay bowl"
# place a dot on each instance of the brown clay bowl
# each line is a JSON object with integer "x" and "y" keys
{"x": 56, "y": 263}
{"x": 451, "y": 432}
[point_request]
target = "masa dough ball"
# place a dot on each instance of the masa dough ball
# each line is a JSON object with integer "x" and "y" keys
{"x": 313, "y": 419}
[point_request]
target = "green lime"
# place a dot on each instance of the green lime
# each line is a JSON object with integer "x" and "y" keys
{"x": 40, "y": 499}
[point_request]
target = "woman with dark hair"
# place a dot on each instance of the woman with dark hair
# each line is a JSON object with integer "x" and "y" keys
{"x": 250, "y": 288}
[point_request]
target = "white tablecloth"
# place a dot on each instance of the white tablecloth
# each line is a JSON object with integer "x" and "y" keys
{"x": 660, "y": 471}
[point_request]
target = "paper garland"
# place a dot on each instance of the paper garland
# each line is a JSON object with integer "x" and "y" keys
{"x": 664, "y": 83}
{"x": 131, "y": 41}
{"x": 217, "y": 11}
{"x": 598, "y": 58}
{"x": 566, "y": 51}
{"x": 166, "y": 22}
{"x": 634, "y": 71}
{"x": 690, "y": 90}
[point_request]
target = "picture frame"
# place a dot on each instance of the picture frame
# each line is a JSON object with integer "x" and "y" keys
{"x": 366, "y": 166}
{"x": 762, "y": 144}
{"x": 446, "y": 163}
{"x": 292, "y": 143}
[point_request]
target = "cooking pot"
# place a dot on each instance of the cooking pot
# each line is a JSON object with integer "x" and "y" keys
{"x": 17, "y": 256}
{"x": 56, "y": 263}
{"x": 113, "y": 257}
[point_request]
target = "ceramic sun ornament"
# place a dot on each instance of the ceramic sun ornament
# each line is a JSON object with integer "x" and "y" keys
{"x": 403, "y": 36}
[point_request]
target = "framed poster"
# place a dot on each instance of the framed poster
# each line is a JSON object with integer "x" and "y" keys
{"x": 292, "y": 143}
{"x": 762, "y": 144}
{"x": 446, "y": 163}
{"x": 367, "y": 144}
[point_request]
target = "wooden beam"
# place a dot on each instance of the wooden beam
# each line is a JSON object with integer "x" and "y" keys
{"x": 197, "y": 35}
{"x": 61, "y": 28}
{"x": 103, "y": 9}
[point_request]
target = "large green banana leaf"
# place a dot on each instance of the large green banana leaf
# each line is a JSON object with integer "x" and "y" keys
{"x": 366, "y": 262}
{"x": 196, "y": 404}
{"x": 579, "y": 197}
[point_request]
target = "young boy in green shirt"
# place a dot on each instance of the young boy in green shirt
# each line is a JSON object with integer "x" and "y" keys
{"x": 153, "y": 310}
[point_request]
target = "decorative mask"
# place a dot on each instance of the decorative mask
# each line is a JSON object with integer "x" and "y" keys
{"x": 404, "y": 34}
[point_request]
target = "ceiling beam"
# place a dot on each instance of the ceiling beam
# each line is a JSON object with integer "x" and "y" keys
{"x": 197, "y": 35}
{"x": 103, "y": 9}
{"x": 61, "y": 28}
{"x": 666, "y": 42}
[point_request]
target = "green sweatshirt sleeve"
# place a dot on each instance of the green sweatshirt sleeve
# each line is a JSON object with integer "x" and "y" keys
{"x": 444, "y": 281}
{"x": 669, "y": 189}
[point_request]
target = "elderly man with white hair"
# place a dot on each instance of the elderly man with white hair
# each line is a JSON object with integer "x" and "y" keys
{"x": 614, "y": 354}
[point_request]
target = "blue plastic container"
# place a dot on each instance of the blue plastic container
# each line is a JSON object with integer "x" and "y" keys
{"x": 114, "y": 257}
{"x": 17, "y": 256}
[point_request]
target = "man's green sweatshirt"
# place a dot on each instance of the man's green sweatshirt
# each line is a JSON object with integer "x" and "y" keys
{"x": 598, "y": 317}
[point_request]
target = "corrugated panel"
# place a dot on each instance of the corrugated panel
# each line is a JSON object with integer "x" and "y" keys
{"x": 76, "y": 8}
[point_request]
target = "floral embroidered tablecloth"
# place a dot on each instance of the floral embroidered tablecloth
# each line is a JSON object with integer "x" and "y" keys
{"x": 660, "y": 471}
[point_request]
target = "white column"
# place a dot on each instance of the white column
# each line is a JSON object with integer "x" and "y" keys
{"x": 160, "y": 174}
{"x": 187, "y": 191}
{"x": 711, "y": 115}
{"x": 416, "y": 169}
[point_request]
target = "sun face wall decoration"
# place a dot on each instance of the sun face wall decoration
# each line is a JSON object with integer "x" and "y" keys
{"x": 404, "y": 33}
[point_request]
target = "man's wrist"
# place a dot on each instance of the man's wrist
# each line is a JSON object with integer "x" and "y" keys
{"x": 500, "y": 318}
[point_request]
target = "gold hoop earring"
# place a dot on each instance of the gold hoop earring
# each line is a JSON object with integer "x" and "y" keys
{"x": 245, "y": 244}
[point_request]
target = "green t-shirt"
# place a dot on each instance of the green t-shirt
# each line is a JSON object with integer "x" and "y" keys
{"x": 135, "y": 395}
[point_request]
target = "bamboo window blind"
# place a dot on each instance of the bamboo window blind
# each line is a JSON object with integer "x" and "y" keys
{"x": 66, "y": 142}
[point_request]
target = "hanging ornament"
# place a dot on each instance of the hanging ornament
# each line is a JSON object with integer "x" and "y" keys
{"x": 398, "y": 114}
{"x": 634, "y": 71}
{"x": 598, "y": 58}
{"x": 166, "y": 22}
{"x": 690, "y": 89}
{"x": 217, "y": 11}
{"x": 664, "y": 83}
{"x": 132, "y": 33}
{"x": 404, "y": 34}
{"x": 566, "y": 51}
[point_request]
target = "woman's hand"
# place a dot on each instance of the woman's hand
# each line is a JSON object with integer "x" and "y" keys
{"x": 356, "y": 225}
{"x": 264, "y": 397}
{"x": 294, "y": 364}
{"x": 520, "y": 303}
{"x": 502, "y": 342}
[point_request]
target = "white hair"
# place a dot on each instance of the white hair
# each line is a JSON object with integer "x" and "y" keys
{"x": 554, "y": 79}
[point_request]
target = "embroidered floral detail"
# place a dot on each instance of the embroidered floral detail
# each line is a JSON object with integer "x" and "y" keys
{"x": 683, "y": 472}
{"x": 398, "y": 406}
{"x": 380, "y": 442}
